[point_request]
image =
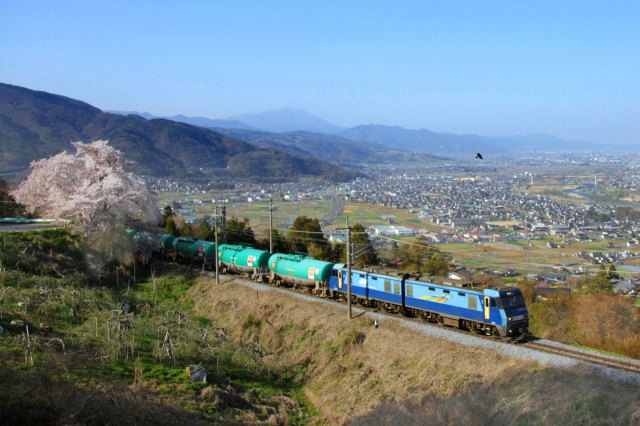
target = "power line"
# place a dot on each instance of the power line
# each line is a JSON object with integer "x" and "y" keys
{"x": 285, "y": 234}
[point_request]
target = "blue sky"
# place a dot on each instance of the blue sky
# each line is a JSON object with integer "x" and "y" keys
{"x": 570, "y": 69}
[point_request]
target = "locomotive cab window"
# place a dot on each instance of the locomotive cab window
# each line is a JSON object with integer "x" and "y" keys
{"x": 511, "y": 302}
{"x": 493, "y": 303}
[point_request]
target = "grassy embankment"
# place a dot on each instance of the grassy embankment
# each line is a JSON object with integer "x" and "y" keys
{"x": 271, "y": 357}
{"x": 87, "y": 357}
{"x": 351, "y": 369}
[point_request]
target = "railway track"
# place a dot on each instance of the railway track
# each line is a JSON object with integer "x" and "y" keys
{"x": 625, "y": 364}
{"x": 584, "y": 355}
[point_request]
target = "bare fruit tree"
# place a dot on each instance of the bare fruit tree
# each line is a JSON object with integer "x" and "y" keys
{"x": 92, "y": 187}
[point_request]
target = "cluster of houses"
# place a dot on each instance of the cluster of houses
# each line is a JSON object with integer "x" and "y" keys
{"x": 601, "y": 257}
{"x": 547, "y": 283}
{"x": 166, "y": 185}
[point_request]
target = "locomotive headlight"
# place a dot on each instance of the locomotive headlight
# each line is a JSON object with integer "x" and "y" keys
{"x": 510, "y": 319}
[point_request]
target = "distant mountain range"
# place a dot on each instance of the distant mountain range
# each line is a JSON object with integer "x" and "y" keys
{"x": 297, "y": 128}
{"x": 332, "y": 148}
{"x": 424, "y": 140}
{"x": 195, "y": 121}
{"x": 287, "y": 120}
{"x": 36, "y": 124}
{"x": 273, "y": 121}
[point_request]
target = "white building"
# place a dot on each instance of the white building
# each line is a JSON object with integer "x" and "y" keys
{"x": 393, "y": 230}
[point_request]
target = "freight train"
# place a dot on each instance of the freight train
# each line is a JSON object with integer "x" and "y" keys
{"x": 498, "y": 311}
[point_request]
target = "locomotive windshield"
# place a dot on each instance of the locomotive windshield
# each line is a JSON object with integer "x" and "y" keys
{"x": 512, "y": 302}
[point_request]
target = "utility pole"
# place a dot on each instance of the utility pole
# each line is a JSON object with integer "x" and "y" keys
{"x": 349, "y": 267}
{"x": 215, "y": 233}
{"x": 528, "y": 253}
{"x": 224, "y": 223}
{"x": 270, "y": 225}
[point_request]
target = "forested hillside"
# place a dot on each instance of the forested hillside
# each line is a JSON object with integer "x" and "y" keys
{"x": 35, "y": 125}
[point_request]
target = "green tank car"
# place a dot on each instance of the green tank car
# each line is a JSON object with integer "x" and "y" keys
{"x": 243, "y": 258}
{"x": 167, "y": 241}
{"x": 300, "y": 269}
{"x": 192, "y": 248}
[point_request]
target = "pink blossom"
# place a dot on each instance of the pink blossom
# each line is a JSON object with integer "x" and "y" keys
{"x": 93, "y": 187}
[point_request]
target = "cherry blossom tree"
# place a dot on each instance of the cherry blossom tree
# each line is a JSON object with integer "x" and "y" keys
{"x": 92, "y": 187}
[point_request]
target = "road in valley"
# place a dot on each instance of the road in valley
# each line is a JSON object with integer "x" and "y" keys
{"x": 21, "y": 227}
{"x": 336, "y": 210}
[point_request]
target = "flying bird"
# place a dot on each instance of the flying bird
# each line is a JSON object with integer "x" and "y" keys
{"x": 479, "y": 156}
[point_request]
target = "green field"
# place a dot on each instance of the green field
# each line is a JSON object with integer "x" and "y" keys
{"x": 516, "y": 255}
{"x": 372, "y": 214}
{"x": 286, "y": 211}
{"x": 509, "y": 254}
{"x": 256, "y": 212}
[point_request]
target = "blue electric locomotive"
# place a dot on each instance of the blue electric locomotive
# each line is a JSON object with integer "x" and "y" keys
{"x": 498, "y": 311}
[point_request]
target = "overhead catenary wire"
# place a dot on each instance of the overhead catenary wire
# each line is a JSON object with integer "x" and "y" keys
{"x": 282, "y": 234}
{"x": 484, "y": 258}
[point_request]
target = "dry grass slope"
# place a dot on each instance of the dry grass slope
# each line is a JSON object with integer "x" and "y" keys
{"x": 351, "y": 369}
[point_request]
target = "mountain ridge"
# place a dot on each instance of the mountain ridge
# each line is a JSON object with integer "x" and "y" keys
{"x": 439, "y": 143}
{"x": 395, "y": 137}
{"x": 38, "y": 124}
{"x": 287, "y": 120}
{"x": 333, "y": 148}
{"x": 194, "y": 121}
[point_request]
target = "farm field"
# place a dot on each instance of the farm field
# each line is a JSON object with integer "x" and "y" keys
{"x": 286, "y": 211}
{"x": 553, "y": 185}
{"x": 258, "y": 212}
{"x": 516, "y": 255}
{"x": 372, "y": 214}
{"x": 499, "y": 255}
